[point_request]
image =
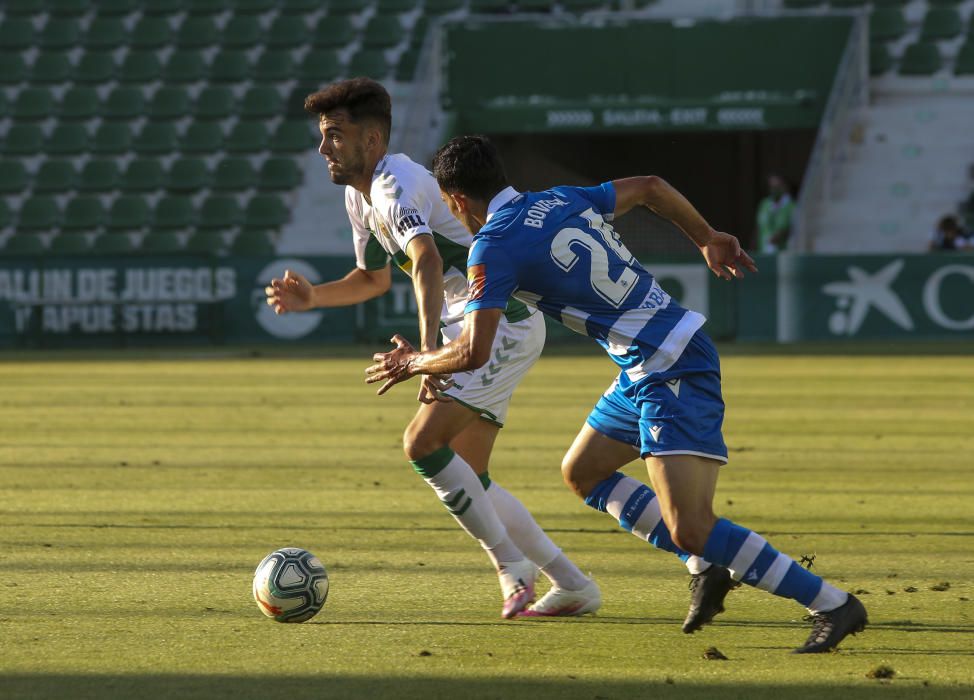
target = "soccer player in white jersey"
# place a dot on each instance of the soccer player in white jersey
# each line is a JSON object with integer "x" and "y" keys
{"x": 395, "y": 210}
{"x": 557, "y": 250}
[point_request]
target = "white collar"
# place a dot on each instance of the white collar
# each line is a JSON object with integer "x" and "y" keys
{"x": 500, "y": 199}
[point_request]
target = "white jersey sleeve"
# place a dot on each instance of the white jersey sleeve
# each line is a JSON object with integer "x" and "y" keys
{"x": 369, "y": 254}
{"x": 404, "y": 206}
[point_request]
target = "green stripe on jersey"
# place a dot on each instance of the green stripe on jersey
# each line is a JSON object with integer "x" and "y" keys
{"x": 432, "y": 464}
{"x": 516, "y": 310}
{"x": 376, "y": 257}
{"x": 454, "y": 254}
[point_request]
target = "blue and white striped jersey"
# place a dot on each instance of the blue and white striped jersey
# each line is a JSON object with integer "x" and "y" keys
{"x": 556, "y": 250}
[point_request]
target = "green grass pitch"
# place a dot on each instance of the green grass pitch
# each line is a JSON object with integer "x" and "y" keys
{"x": 138, "y": 493}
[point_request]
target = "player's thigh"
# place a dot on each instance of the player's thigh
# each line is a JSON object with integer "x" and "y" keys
{"x": 593, "y": 458}
{"x": 685, "y": 485}
{"x": 475, "y": 443}
{"x": 435, "y": 425}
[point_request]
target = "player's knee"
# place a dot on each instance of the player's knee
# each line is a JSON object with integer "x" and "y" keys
{"x": 574, "y": 478}
{"x": 418, "y": 442}
{"x": 690, "y": 536}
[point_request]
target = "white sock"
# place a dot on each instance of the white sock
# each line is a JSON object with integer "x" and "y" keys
{"x": 697, "y": 565}
{"x": 829, "y": 598}
{"x": 525, "y": 532}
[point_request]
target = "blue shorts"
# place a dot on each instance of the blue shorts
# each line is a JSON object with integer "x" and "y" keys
{"x": 680, "y": 412}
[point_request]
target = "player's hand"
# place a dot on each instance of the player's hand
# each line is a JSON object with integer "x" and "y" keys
{"x": 725, "y": 258}
{"x": 432, "y": 386}
{"x": 391, "y": 367}
{"x": 291, "y": 293}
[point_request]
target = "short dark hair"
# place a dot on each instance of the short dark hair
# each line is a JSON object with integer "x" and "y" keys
{"x": 363, "y": 98}
{"x": 470, "y": 165}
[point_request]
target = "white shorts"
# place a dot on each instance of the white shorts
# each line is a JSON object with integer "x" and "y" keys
{"x": 488, "y": 390}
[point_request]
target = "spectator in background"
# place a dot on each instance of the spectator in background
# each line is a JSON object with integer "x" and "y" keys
{"x": 774, "y": 217}
{"x": 950, "y": 236}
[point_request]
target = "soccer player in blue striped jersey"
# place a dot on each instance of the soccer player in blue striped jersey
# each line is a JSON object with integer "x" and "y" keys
{"x": 556, "y": 250}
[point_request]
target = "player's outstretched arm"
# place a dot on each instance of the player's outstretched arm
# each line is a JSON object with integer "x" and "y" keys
{"x": 294, "y": 292}
{"x": 722, "y": 251}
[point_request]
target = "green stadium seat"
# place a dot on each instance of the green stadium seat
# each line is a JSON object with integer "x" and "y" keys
{"x": 880, "y": 60}
{"x": 294, "y": 7}
{"x": 106, "y": 33}
{"x": 534, "y": 6}
{"x": 230, "y": 66}
{"x": 382, "y": 32}
{"x": 274, "y": 67}
{"x": 369, "y": 62}
{"x": 140, "y": 67}
{"x": 23, "y": 140}
{"x": 174, "y": 213}
{"x": 113, "y": 244}
{"x": 33, "y": 104}
{"x": 169, "y": 103}
{"x": 395, "y": 6}
{"x": 234, "y": 174}
{"x": 70, "y": 244}
{"x": 162, "y": 7}
{"x": 489, "y": 6}
{"x": 156, "y": 139}
{"x": 95, "y": 67}
{"x": 279, "y": 174}
{"x": 124, "y": 103}
{"x": 890, "y": 3}
{"x": 941, "y": 23}
{"x": 320, "y": 66}
{"x": 67, "y": 8}
{"x": 4, "y": 107}
{"x": 16, "y": 34}
{"x": 964, "y": 65}
{"x": 24, "y": 244}
{"x": 333, "y": 33}
{"x": 51, "y": 68}
{"x": 206, "y": 243}
{"x": 287, "y": 31}
{"x": 79, "y": 103}
{"x": 161, "y": 242}
{"x": 260, "y": 102}
{"x": 83, "y": 214}
{"x": 206, "y": 7}
{"x": 13, "y": 177}
{"x": 215, "y": 103}
{"x": 99, "y": 175}
{"x": 242, "y": 32}
{"x": 59, "y": 33}
{"x": 346, "y": 7}
{"x": 406, "y": 67}
{"x": 197, "y": 33}
{"x": 143, "y": 175}
{"x": 247, "y": 137}
{"x": 129, "y": 212}
{"x": 111, "y": 139}
{"x": 202, "y": 137}
{"x": 941, "y": 3}
{"x": 294, "y": 102}
{"x": 188, "y": 175}
{"x": 265, "y": 211}
{"x": 13, "y": 70}
{"x": 67, "y": 140}
{"x": 585, "y": 5}
{"x": 117, "y": 7}
{"x": 21, "y": 7}
{"x": 294, "y": 136}
{"x": 845, "y": 4}
{"x": 887, "y": 23}
{"x": 150, "y": 33}
{"x": 184, "y": 67}
{"x": 220, "y": 212}
{"x": 251, "y": 6}
{"x": 39, "y": 214}
{"x": 418, "y": 33}
{"x": 921, "y": 58}
{"x": 6, "y": 216}
{"x": 252, "y": 243}
{"x": 55, "y": 176}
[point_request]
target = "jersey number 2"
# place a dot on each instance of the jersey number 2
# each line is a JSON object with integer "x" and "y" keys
{"x": 613, "y": 291}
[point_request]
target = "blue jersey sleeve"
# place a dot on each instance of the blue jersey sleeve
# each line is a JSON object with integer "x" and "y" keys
{"x": 491, "y": 276}
{"x": 602, "y": 198}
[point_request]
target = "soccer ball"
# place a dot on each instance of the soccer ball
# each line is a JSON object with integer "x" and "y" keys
{"x": 290, "y": 585}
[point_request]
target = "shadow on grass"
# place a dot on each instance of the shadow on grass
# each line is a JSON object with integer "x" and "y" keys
{"x": 191, "y": 687}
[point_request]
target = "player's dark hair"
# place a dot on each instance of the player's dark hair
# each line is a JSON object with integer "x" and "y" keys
{"x": 363, "y": 98}
{"x": 471, "y": 166}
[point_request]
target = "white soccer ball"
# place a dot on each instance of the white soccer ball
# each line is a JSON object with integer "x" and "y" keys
{"x": 290, "y": 585}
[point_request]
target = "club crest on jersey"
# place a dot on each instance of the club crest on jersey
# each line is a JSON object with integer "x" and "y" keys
{"x": 476, "y": 281}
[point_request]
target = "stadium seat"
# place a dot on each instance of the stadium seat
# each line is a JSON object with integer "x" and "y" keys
{"x": 95, "y": 67}
{"x": 921, "y": 58}
{"x": 880, "y": 60}
{"x": 252, "y": 243}
{"x": 55, "y": 176}
{"x": 6, "y": 217}
{"x": 184, "y": 67}
{"x": 247, "y": 137}
{"x": 333, "y": 33}
{"x": 418, "y": 33}
{"x": 161, "y": 242}
{"x": 111, "y": 139}
{"x": 128, "y": 212}
{"x": 964, "y": 64}
{"x": 4, "y": 108}
{"x": 83, "y": 214}
{"x": 260, "y": 102}
{"x": 113, "y": 243}
{"x": 287, "y": 31}
{"x": 70, "y": 244}
{"x": 220, "y": 212}
{"x": 162, "y": 7}
{"x": 13, "y": 177}
{"x": 150, "y": 33}
{"x": 279, "y": 174}
{"x": 106, "y": 33}
{"x": 230, "y": 66}
{"x": 67, "y": 8}
{"x": 38, "y": 214}
{"x": 489, "y": 6}
{"x": 242, "y": 32}
{"x": 382, "y": 32}
{"x": 265, "y": 211}
{"x": 274, "y": 67}
{"x": 233, "y": 175}
{"x": 140, "y": 67}
{"x": 887, "y": 23}
{"x": 20, "y": 7}
{"x": 206, "y": 7}
{"x": 16, "y": 34}
{"x": 79, "y": 103}
{"x": 942, "y": 3}
{"x": 172, "y": 213}
{"x": 169, "y": 103}
{"x": 206, "y": 243}
{"x": 320, "y": 65}
{"x": 124, "y": 103}
{"x": 143, "y": 175}
{"x": 847, "y": 4}
{"x": 534, "y": 6}
{"x": 51, "y": 68}
{"x": 202, "y": 137}
{"x": 252, "y": 6}
{"x": 294, "y": 102}
{"x": 346, "y": 7}
{"x": 586, "y": 5}
{"x": 941, "y": 23}
{"x": 293, "y": 7}
{"x": 214, "y": 103}
{"x": 13, "y": 70}
{"x": 99, "y": 175}
{"x": 197, "y": 33}
{"x": 33, "y": 104}
{"x": 24, "y": 244}
{"x": 23, "y": 140}
{"x": 67, "y": 140}
{"x": 117, "y": 7}
{"x": 59, "y": 33}
{"x": 369, "y": 62}
{"x": 395, "y": 6}
{"x": 188, "y": 175}
{"x": 156, "y": 139}
{"x": 406, "y": 67}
